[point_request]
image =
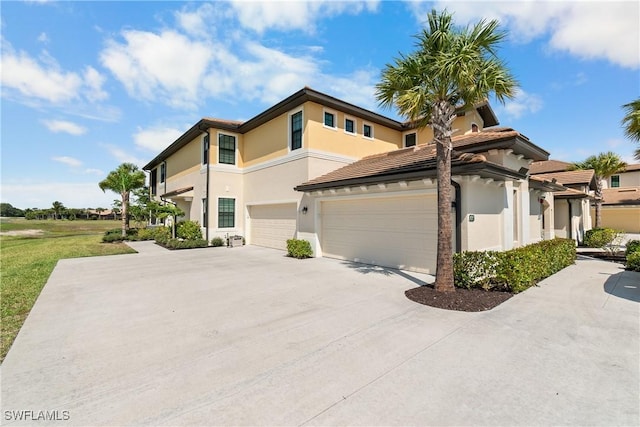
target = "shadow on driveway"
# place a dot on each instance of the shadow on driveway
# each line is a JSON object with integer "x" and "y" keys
{"x": 386, "y": 271}
{"x": 625, "y": 284}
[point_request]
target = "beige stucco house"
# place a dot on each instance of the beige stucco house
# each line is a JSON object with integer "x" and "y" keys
{"x": 620, "y": 198}
{"x": 357, "y": 185}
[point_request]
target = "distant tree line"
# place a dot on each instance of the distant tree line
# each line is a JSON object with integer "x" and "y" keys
{"x": 7, "y": 210}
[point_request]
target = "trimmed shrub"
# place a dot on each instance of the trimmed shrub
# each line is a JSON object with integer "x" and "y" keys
{"x": 633, "y": 261}
{"x": 514, "y": 270}
{"x": 599, "y": 237}
{"x": 475, "y": 269}
{"x": 189, "y": 230}
{"x": 217, "y": 241}
{"x": 632, "y": 246}
{"x": 162, "y": 234}
{"x": 112, "y": 237}
{"x": 185, "y": 244}
{"x": 146, "y": 234}
{"x": 299, "y": 249}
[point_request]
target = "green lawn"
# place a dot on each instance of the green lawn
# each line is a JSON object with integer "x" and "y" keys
{"x": 26, "y": 261}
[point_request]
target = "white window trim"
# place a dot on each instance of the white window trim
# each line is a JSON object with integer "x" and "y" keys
{"x": 355, "y": 125}
{"x": 291, "y": 113}
{"x": 404, "y": 138}
{"x": 335, "y": 118}
{"x": 235, "y": 160}
{"x": 372, "y": 132}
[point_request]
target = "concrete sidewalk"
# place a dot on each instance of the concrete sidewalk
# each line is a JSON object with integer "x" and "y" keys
{"x": 247, "y": 336}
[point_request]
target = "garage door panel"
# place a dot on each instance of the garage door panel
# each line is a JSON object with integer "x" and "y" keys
{"x": 399, "y": 232}
{"x": 272, "y": 225}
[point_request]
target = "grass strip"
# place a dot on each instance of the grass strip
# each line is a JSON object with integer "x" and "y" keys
{"x": 27, "y": 262}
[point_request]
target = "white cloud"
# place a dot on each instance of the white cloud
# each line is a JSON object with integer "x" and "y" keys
{"x": 158, "y": 66}
{"x": 122, "y": 155}
{"x": 92, "y": 171}
{"x": 43, "y": 38}
{"x": 41, "y": 194}
{"x": 69, "y": 161}
{"x": 522, "y": 103}
{"x": 57, "y": 126}
{"x": 294, "y": 15}
{"x": 155, "y": 139}
{"x": 585, "y": 29}
{"x": 29, "y": 79}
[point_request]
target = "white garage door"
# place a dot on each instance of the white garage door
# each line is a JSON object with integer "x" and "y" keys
{"x": 272, "y": 225}
{"x": 398, "y": 232}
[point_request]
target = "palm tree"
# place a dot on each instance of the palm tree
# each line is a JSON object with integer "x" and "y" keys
{"x": 452, "y": 68}
{"x": 631, "y": 123}
{"x": 57, "y": 208}
{"x": 100, "y": 210}
{"x": 126, "y": 178}
{"x": 604, "y": 165}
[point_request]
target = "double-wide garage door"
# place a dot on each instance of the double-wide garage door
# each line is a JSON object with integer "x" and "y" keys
{"x": 272, "y": 225}
{"x": 398, "y": 232}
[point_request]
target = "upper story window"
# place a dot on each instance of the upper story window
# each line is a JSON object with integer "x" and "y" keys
{"x": 349, "y": 125}
{"x": 330, "y": 119}
{"x": 296, "y": 130}
{"x": 615, "y": 181}
{"x": 474, "y": 128}
{"x": 153, "y": 182}
{"x": 410, "y": 139}
{"x": 205, "y": 149}
{"x": 226, "y": 149}
{"x": 163, "y": 171}
{"x": 367, "y": 130}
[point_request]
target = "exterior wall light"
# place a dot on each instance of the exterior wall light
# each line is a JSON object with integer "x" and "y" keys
{"x": 305, "y": 210}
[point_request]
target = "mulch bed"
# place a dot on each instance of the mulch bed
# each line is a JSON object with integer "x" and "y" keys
{"x": 460, "y": 300}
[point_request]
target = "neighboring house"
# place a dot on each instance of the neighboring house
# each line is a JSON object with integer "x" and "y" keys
{"x": 620, "y": 196}
{"x": 357, "y": 185}
{"x": 571, "y": 213}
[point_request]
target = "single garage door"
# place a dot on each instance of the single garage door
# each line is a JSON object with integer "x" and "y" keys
{"x": 272, "y": 225}
{"x": 398, "y": 232}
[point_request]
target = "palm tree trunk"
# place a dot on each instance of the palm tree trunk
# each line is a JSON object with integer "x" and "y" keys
{"x": 442, "y": 119}
{"x": 125, "y": 204}
{"x": 598, "y": 202}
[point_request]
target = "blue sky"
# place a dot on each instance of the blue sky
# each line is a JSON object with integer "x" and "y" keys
{"x": 89, "y": 85}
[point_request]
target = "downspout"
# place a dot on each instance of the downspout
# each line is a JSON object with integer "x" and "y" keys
{"x": 458, "y": 206}
{"x": 208, "y": 142}
{"x": 570, "y": 219}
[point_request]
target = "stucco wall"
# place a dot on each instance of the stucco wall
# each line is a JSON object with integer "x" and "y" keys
{"x": 624, "y": 218}
{"x": 485, "y": 201}
{"x": 267, "y": 142}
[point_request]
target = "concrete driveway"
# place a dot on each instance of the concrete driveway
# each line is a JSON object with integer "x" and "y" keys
{"x": 246, "y": 336}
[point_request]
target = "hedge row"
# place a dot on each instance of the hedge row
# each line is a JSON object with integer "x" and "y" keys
{"x": 515, "y": 270}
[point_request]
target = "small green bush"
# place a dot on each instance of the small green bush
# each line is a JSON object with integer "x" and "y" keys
{"x": 633, "y": 261}
{"x": 189, "y": 230}
{"x": 112, "y": 237}
{"x": 217, "y": 241}
{"x": 299, "y": 249}
{"x": 162, "y": 234}
{"x": 146, "y": 234}
{"x": 185, "y": 244}
{"x": 514, "y": 270}
{"x": 599, "y": 237}
{"x": 632, "y": 246}
{"x": 475, "y": 269}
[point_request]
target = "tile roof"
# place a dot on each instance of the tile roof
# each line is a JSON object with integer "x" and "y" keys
{"x": 621, "y": 196}
{"x": 571, "y": 193}
{"x": 632, "y": 168}
{"x": 546, "y": 166}
{"x": 570, "y": 177}
{"x": 419, "y": 158}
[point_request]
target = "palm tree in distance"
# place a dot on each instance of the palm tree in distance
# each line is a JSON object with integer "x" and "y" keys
{"x": 631, "y": 123}
{"x": 57, "y": 208}
{"x": 453, "y": 68}
{"x": 604, "y": 165}
{"x": 126, "y": 178}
